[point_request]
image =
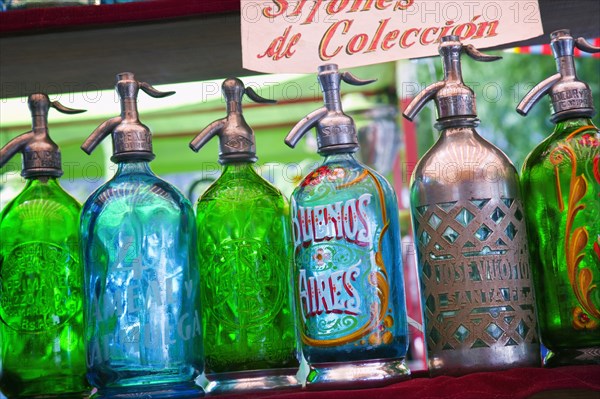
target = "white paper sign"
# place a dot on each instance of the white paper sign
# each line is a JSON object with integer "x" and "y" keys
{"x": 282, "y": 36}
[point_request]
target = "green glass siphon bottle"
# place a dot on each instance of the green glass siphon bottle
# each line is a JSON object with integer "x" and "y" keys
{"x": 244, "y": 242}
{"x": 41, "y": 277}
{"x": 561, "y": 185}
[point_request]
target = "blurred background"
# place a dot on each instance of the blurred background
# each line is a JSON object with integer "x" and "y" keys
{"x": 74, "y": 53}
{"x": 389, "y": 143}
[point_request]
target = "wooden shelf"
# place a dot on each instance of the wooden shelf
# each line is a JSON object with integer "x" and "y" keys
{"x": 81, "y": 48}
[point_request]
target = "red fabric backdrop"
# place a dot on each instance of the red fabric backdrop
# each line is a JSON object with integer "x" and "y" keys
{"x": 43, "y": 19}
{"x": 510, "y": 384}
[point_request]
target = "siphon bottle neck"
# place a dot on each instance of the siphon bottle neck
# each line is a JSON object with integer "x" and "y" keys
{"x": 574, "y": 123}
{"x": 133, "y": 168}
{"x": 51, "y": 181}
{"x": 456, "y": 124}
{"x": 340, "y": 157}
{"x": 238, "y": 169}
{"x": 459, "y": 131}
{"x": 452, "y": 66}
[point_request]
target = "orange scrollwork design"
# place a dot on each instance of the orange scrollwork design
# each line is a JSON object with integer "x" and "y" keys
{"x": 576, "y": 239}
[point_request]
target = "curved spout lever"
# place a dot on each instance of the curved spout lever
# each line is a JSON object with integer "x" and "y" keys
{"x": 537, "y": 93}
{"x": 65, "y": 110}
{"x": 477, "y": 55}
{"x": 256, "y": 98}
{"x": 152, "y": 92}
{"x": 353, "y": 80}
{"x": 13, "y": 146}
{"x": 417, "y": 104}
{"x": 307, "y": 123}
{"x": 100, "y": 134}
{"x": 586, "y": 46}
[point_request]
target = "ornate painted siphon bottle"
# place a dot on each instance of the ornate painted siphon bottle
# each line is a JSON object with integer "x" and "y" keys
{"x": 41, "y": 277}
{"x": 561, "y": 184}
{"x": 348, "y": 283}
{"x": 469, "y": 226}
{"x": 138, "y": 234}
{"x": 244, "y": 247}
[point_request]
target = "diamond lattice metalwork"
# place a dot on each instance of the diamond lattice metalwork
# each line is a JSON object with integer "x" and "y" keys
{"x": 464, "y": 217}
{"x": 511, "y": 231}
{"x": 450, "y": 234}
{"x": 483, "y": 233}
{"x": 461, "y": 333}
{"x": 435, "y": 221}
{"x": 494, "y": 331}
{"x": 497, "y": 215}
{"x": 522, "y": 329}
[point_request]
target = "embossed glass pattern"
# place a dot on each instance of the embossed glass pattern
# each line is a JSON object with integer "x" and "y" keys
{"x": 348, "y": 275}
{"x": 244, "y": 244}
{"x": 561, "y": 183}
{"x": 41, "y": 293}
{"x": 142, "y": 314}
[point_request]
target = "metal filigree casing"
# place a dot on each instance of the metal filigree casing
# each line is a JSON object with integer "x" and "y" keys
{"x": 41, "y": 155}
{"x": 569, "y": 96}
{"x": 237, "y": 142}
{"x": 132, "y": 140}
{"x": 472, "y": 251}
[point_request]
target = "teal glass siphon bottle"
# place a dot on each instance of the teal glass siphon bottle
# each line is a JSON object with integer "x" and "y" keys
{"x": 143, "y": 326}
{"x": 244, "y": 248}
{"x": 41, "y": 277}
{"x": 348, "y": 280}
{"x": 561, "y": 184}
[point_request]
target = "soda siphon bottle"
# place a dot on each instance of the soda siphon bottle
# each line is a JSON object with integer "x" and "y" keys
{"x": 244, "y": 247}
{"x": 41, "y": 277}
{"x": 561, "y": 184}
{"x": 138, "y": 235}
{"x": 348, "y": 282}
{"x": 469, "y": 227}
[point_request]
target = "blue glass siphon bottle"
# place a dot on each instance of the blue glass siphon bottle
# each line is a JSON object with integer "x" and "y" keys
{"x": 348, "y": 280}
{"x": 143, "y": 326}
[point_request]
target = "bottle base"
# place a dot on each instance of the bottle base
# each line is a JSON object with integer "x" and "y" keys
{"x": 357, "y": 374}
{"x": 71, "y": 395}
{"x": 572, "y": 357}
{"x": 249, "y": 381}
{"x": 180, "y": 390}
{"x": 72, "y": 387}
{"x": 465, "y": 361}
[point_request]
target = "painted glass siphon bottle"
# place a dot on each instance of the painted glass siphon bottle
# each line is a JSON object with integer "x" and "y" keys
{"x": 561, "y": 185}
{"x": 348, "y": 280}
